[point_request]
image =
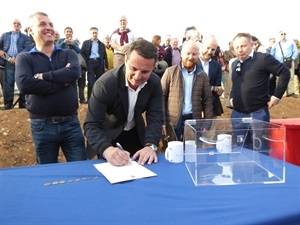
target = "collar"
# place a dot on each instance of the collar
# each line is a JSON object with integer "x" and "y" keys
{"x": 250, "y": 56}
{"x": 139, "y": 87}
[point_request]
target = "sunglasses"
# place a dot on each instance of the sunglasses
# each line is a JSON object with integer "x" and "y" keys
{"x": 15, "y": 23}
{"x": 283, "y": 34}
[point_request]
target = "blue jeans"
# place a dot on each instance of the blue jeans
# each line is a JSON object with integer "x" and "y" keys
{"x": 48, "y": 137}
{"x": 9, "y": 83}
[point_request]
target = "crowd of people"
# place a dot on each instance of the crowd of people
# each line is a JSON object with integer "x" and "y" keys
{"x": 136, "y": 89}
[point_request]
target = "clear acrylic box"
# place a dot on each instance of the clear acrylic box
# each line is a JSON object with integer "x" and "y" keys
{"x": 234, "y": 151}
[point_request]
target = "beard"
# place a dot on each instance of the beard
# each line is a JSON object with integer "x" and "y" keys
{"x": 189, "y": 64}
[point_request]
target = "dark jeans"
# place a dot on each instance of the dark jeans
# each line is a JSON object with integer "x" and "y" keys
{"x": 95, "y": 70}
{"x": 81, "y": 85}
{"x": 179, "y": 130}
{"x": 2, "y": 72}
{"x": 250, "y": 135}
{"x": 49, "y": 137}
{"x": 9, "y": 85}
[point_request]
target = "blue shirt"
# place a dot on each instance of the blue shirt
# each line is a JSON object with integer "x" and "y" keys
{"x": 187, "y": 107}
{"x": 289, "y": 49}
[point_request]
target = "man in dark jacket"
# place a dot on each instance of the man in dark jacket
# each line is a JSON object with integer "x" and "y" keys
{"x": 118, "y": 102}
{"x": 13, "y": 43}
{"x": 94, "y": 53}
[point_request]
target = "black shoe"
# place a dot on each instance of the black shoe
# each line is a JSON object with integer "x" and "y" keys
{"x": 6, "y": 107}
{"x": 292, "y": 95}
{"x": 22, "y": 106}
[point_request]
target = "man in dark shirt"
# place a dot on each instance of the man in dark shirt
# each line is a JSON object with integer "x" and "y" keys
{"x": 250, "y": 82}
{"x": 48, "y": 74}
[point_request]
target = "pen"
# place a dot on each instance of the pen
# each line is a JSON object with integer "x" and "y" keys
{"x": 121, "y": 148}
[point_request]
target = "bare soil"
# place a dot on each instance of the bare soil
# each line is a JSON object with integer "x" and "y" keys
{"x": 16, "y": 145}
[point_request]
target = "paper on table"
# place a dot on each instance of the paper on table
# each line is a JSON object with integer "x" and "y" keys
{"x": 115, "y": 174}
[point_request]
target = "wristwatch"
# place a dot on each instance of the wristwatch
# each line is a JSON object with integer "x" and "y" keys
{"x": 153, "y": 146}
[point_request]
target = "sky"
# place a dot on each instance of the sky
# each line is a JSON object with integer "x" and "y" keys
{"x": 222, "y": 18}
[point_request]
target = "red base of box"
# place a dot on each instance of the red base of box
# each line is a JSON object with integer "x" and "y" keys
{"x": 292, "y": 151}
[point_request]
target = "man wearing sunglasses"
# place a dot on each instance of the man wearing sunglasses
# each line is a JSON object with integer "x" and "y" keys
{"x": 286, "y": 49}
{"x": 11, "y": 44}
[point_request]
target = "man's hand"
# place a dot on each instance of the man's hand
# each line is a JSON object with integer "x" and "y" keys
{"x": 146, "y": 155}
{"x": 273, "y": 101}
{"x": 116, "y": 157}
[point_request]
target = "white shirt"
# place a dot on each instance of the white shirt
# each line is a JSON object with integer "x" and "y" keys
{"x": 132, "y": 97}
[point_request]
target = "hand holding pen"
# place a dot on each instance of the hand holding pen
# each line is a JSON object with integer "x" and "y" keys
{"x": 122, "y": 149}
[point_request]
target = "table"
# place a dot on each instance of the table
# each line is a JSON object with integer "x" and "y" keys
{"x": 169, "y": 198}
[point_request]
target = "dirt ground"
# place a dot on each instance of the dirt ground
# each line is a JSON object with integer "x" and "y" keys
{"x": 16, "y": 145}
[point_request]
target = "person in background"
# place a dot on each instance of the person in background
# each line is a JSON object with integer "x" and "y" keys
{"x": 272, "y": 84}
{"x": 191, "y": 33}
{"x": 257, "y": 45}
{"x": 250, "y": 83}
{"x": 13, "y": 43}
{"x": 186, "y": 91}
{"x": 173, "y": 56}
{"x": 297, "y": 68}
{"x": 167, "y": 42}
{"x": 119, "y": 100}
{"x": 185, "y": 37}
{"x": 52, "y": 99}
{"x": 161, "y": 64}
{"x": 2, "y": 74}
{"x": 68, "y": 42}
{"x": 94, "y": 53}
{"x": 30, "y": 36}
{"x": 109, "y": 52}
{"x": 56, "y": 36}
{"x": 213, "y": 69}
{"x": 228, "y": 56}
{"x": 289, "y": 50}
{"x": 121, "y": 39}
{"x": 271, "y": 43}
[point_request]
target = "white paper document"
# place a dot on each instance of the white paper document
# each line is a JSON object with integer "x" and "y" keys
{"x": 131, "y": 171}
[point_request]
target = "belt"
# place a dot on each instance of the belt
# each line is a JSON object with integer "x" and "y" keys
{"x": 55, "y": 119}
{"x": 263, "y": 107}
{"x": 187, "y": 116}
{"x": 92, "y": 59}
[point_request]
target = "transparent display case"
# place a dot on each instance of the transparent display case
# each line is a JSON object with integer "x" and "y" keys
{"x": 234, "y": 151}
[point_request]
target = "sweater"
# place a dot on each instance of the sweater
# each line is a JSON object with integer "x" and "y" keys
{"x": 56, "y": 94}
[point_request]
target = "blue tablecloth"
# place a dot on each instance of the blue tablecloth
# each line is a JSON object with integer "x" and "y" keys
{"x": 85, "y": 197}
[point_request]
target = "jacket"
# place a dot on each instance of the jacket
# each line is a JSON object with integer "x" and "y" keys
{"x": 86, "y": 50}
{"x": 108, "y": 109}
{"x": 173, "y": 92}
{"x": 23, "y": 44}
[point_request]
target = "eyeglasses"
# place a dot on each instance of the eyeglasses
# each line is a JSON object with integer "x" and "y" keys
{"x": 238, "y": 68}
{"x": 283, "y": 34}
{"x": 15, "y": 23}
